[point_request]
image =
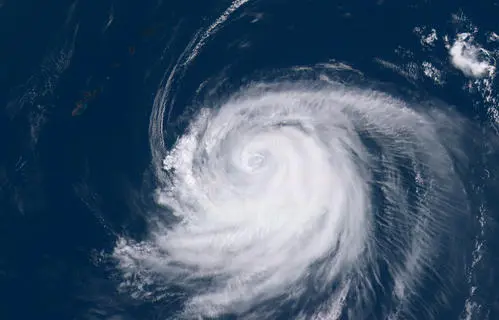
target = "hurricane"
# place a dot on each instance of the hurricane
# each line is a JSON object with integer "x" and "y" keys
{"x": 249, "y": 160}
{"x": 304, "y": 192}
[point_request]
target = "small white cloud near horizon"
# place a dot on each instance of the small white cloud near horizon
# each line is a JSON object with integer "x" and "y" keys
{"x": 472, "y": 60}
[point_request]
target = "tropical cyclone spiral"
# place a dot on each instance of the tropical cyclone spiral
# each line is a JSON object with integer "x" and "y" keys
{"x": 274, "y": 195}
{"x": 302, "y": 191}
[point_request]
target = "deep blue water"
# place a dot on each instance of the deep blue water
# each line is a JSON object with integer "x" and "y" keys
{"x": 69, "y": 185}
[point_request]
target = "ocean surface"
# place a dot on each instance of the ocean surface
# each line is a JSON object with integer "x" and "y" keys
{"x": 249, "y": 159}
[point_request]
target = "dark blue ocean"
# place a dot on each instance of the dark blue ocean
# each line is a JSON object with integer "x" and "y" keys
{"x": 78, "y": 82}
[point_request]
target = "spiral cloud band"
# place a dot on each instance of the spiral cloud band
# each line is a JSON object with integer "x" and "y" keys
{"x": 290, "y": 188}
